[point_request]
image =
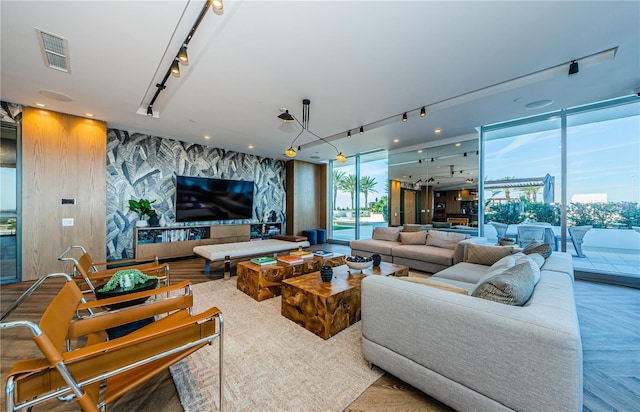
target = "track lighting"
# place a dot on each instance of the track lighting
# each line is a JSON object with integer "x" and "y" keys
{"x": 182, "y": 55}
{"x": 431, "y": 180}
{"x": 433, "y": 160}
{"x": 349, "y": 134}
{"x": 404, "y": 117}
{"x": 573, "y": 67}
{"x": 465, "y": 154}
{"x": 423, "y": 112}
{"x": 175, "y": 69}
{"x": 361, "y": 129}
{"x": 290, "y": 152}
{"x": 150, "y": 111}
{"x": 217, "y": 6}
{"x": 419, "y": 160}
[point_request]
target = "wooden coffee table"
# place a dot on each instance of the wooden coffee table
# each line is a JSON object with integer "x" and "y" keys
{"x": 326, "y": 308}
{"x": 264, "y": 282}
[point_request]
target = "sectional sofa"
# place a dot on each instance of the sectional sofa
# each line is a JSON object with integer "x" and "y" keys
{"x": 428, "y": 251}
{"x": 472, "y": 352}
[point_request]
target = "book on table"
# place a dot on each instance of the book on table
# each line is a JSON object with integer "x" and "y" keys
{"x": 292, "y": 260}
{"x": 301, "y": 253}
{"x": 264, "y": 261}
{"x": 322, "y": 253}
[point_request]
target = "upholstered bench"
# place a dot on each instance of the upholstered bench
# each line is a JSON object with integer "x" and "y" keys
{"x": 227, "y": 251}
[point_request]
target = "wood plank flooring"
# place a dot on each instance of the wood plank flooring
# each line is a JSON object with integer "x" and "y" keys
{"x": 609, "y": 321}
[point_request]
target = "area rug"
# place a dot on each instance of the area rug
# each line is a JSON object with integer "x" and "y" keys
{"x": 270, "y": 363}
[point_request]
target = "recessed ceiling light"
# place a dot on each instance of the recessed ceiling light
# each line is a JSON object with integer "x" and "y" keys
{"x": 314, "y": 157}
{"x": 457, "y": 144}
{"x": 89, "y": 114}
{"x": 41, "y": 105}
{"x": 207, "y": 137}
{"x": 420, "y": 151}
{"x": 437, "y": 130}
{"x": 538, "y": 104}
{"x": 396, "y": 140}
{"x": 250, "y": 146}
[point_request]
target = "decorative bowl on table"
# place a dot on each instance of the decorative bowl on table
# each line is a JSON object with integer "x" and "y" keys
{"x": 359, "y": 262}
{"x": 505, "y": 241}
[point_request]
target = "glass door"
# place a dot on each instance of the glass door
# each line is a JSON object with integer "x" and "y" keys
{"x": 9, "y": 205}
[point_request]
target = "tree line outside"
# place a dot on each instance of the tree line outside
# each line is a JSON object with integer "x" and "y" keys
{"x": 346, "y": 183}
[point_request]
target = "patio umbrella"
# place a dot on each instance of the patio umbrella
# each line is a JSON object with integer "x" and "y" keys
{"x": 547, "y": 194}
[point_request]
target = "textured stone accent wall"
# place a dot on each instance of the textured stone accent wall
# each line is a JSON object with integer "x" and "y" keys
{"x": 143, "y": 166}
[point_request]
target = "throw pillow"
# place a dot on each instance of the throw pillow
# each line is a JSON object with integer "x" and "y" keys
{"x": 484, "y": 254}
{"x": 413, "y": 238}
{"x": 514, "y": 286}
{"x": 434, "y": 284}
{"x": 534, "y": 265}
{"x": 544, "y": 249}
{"x": 412, "y": 228}
{"x": 386, "y": 233}
{"x": 447, "y": 240}
{"x": 499, "y": 267}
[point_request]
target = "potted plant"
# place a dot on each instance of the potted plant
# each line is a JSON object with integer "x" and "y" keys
{"x": 143, "y": 209}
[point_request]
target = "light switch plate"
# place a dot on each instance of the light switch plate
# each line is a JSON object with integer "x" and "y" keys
{"x": 67, "y": 221}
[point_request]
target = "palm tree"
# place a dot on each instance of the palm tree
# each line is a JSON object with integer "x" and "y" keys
{"x": 338, "y": 178}
{"x": 507, "y": 190}
{"x": 349, "y": 185}
{"x": 531, "y": 193}
{"x": 367, "y": 185}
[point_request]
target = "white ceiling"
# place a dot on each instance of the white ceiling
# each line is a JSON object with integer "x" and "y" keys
{"x": 360, "y": 62}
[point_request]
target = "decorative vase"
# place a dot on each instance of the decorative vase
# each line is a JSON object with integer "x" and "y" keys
{"x": 326, "y": 273}
{"x": 376, "y": 259}
{"x": 153, "y": 221}
{"x": 142, "y": 223}
{"x": 163, "y": 221}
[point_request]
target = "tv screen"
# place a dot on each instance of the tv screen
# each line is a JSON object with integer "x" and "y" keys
{"x": 203, "y": 198}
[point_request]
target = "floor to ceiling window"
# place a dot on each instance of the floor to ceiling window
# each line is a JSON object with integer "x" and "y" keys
{"x": 574, "y": 173}
{"x": 359, "y": 193}
{"x": 9, "y": 222}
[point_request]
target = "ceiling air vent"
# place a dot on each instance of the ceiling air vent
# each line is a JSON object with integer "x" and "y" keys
{"x": 55, "y": 51}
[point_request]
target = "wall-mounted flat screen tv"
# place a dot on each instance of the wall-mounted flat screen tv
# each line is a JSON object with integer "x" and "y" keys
{"x": 204, "y": 198}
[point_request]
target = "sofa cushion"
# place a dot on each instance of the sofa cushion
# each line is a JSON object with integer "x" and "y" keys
{"x": 437, "y": 255}
{"x": 512, "y": 287}
{"x": 499, "y": 267}
{"x": 485, "y": 254}
{"x": 386, "y": 233}
{"x": 413, "y": 238}
{"x": 446, "y": 240}
{"x": 381, "y": 247}
{"x": 470, "y": 273}
{"x": 434, "y": 284}
{"x": 544, "y": 249}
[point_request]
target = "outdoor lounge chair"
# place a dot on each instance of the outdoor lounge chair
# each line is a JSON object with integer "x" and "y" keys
{"x": 577, "y": 237}
{"x": 501, "y": 229}
{"x": 95, "y": 274}
{"x": 528, "y": 233}
{"x": 117, "y": 365}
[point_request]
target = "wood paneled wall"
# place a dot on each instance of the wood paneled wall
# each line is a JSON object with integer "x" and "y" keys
{"x": 394, "y": 203}
{"x": 63, "y": 156}
{"x": 306, "y": 196}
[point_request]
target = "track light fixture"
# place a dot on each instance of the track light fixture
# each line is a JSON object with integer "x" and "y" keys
{"x": 175, "y": 69}
{"x": 349, "y": 134}
{"x": 288, "y": 118}
{"x": 465, "y": 154}
{"x": 361, "y": 129}
{"x": 431, "y": 180}
{"x": 404, "y": 117}
{"x": 423, "y": 112}
{"x": 573, "y": 67}
{"x": 182, "y": 55}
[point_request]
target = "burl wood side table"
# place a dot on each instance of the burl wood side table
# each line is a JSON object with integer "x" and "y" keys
{"x": 265, "y": 282}
{"x": 326, "y": 308}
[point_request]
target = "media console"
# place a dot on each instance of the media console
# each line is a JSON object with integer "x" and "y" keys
{"x": 179, "y": 241}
